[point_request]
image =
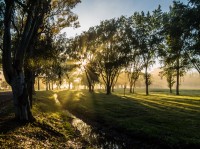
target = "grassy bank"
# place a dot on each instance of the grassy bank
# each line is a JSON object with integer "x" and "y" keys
{"x": 52, "y": 128}
{"x": 160, "y": 118}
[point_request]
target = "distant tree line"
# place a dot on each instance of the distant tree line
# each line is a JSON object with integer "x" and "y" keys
{"x": 134, "y": 43}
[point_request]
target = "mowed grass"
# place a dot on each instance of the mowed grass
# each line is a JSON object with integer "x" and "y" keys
{"x": 161, "y": 117}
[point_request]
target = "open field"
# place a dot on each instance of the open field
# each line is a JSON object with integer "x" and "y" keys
{"x": 160, "y": 118}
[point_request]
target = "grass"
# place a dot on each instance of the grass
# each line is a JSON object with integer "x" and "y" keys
{"x": 52, "y": 128}
{"x": 160, "y": 118}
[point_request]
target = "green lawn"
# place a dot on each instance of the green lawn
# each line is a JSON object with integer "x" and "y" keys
{"x": 159, "y": 117}
{"x": 52, "y": 128}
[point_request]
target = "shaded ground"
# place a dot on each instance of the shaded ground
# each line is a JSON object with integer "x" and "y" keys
{"x": 52, "y": 128}
{"x": 5, "y": 109}
{"x": 5, "y": 97}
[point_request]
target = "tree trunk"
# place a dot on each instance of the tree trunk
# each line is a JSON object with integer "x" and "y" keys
{"x": 113, "y": 88}
{"x": 49, "y": 84}
{"x": 21, "y": 98}
{"x": 108, "y": 89}
{"x": 90, "y": 88}
{"x": 130, "y": 88}
{"x": 46, "y": 84}
{"x": 133, "y": 91}
{"x": 29, "y": 81}
{"x": 38, "y": 83}
{"x": 13, "y": 63}
{"x": 33, "y": 83}
{"x": 146, "y": 82}
{"x": 170, "y": 89}
{"x": 177, "y": 77}
{"x": 69, "y": 85}
{"x": 89, "y": 81}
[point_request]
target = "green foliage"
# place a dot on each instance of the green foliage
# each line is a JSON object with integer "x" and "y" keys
{"x": 177, "y": 41}
{"x": 146, "y": 30}
{"x": 61, "y": 16}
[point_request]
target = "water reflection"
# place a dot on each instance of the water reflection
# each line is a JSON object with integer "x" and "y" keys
{"x": 96, "y": 138}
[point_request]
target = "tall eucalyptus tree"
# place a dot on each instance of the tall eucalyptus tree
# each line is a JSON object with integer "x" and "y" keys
{"x": 24, "y": 18}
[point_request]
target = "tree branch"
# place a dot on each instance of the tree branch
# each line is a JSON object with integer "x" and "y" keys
{"x": 197, "y": 67}
{"x": 25, "y": 7}
{"x": 13, "y": 23}
{"x": 6, "y": 56}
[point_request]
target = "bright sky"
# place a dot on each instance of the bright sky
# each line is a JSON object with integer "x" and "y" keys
{"x": 91, "y": 12}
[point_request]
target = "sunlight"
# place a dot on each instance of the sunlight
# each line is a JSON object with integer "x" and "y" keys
{"x": 55, "y": 96}
{"x": 84, "y": 63}
{"x": 78, "y": 96}
{"x": 77, "y": 80}
{"x": 163, "y": 103}
{"x": 56, "y": 99}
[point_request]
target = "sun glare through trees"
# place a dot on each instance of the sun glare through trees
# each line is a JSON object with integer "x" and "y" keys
{"x": 106, "y": 74}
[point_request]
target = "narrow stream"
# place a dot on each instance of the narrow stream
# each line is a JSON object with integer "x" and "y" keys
{"x": 96, "y": 139}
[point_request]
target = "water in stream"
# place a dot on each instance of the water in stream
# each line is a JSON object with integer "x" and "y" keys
{"x": 96, "y": 138}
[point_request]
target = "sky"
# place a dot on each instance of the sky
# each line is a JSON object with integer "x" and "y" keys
{"x": 91, "y": 12}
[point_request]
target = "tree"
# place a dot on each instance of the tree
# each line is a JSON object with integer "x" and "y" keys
{"x": 58, "y": 17}
{"x": 134, "y": 71}
{"x": 146, "y": 28}
{"x": 14, "y": 52}
{"x": 91, "y": 76}
{"x": 2, "y": 5}
{"x": 135, "y": 64}
{"x": 112, "y": 50}
{"x": 13, "y": 67}
{"x": 174, "y": 31}
{"x": 87, "y": 59}
{"x": 169, "y": 73}
{"x": 82, "y": 49}
{"x": 191, "y": 26}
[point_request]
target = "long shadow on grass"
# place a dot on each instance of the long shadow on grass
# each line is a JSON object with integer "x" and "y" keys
{"x": 7, "y": 119}
{"x": 9, "y": 124}
{"x": 174, "y": 121}
{"x": 146, "y": 117}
